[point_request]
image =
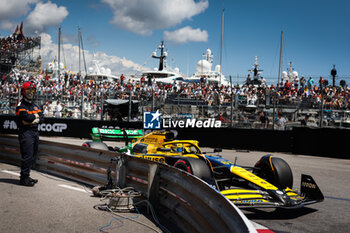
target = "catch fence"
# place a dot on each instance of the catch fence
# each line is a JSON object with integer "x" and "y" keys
{"x": 233, "y": 111}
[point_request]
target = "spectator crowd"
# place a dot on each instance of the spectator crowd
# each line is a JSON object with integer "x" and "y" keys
{"x": 14, "y": 44}
{"x": 71, "y": 87}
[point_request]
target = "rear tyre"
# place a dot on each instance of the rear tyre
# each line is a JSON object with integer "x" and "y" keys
{"x": 195, "y": 167}
{"x": 96, "y": 145}
{"x": 276, "y": 171}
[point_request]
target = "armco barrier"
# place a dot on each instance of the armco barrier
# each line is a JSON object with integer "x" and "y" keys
{"x": 178, "y": 196}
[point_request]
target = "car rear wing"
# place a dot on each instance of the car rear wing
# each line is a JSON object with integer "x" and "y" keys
{"x": 102, "y": 134}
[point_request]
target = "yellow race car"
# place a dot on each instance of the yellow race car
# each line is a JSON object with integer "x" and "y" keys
{"x": 267, "y": 184}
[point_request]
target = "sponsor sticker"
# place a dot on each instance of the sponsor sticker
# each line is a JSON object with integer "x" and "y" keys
{"x": 308, "y": 185}
{"x": 249, "y": 201}
{"x": 155, "y": 158}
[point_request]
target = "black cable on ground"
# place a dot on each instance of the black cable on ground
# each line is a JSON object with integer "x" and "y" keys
{"x": 112, "y": 193}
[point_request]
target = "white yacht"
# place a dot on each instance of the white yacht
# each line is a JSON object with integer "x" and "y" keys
{"x": 256, "y": 74}
{"x": 203, "y": 71}
{"x": 162, "y": 74}
{"x": 291, "y": 75}
{"x": 100, "y": 74}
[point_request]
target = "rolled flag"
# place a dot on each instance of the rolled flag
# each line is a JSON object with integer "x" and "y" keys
{"x": 21, "y": 31}
{"x": 16, "y": 31}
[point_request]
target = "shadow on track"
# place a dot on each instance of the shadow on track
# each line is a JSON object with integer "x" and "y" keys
{"x": 266, "y": 214}
{"x": 10, "y": 181}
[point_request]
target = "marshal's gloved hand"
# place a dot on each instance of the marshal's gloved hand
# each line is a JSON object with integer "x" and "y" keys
{"x": 36, "y": 121}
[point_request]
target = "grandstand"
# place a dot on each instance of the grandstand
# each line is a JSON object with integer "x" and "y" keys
{"x": 16, "y": 50}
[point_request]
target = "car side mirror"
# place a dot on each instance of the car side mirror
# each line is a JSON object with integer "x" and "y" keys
{"x": 171, "y": 135}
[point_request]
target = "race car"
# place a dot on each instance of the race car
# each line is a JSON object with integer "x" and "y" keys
{"x": 103, "y": 134}
{"x": 267, "y": 184}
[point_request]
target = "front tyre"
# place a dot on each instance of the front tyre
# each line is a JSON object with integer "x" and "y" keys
{"x": 276, "y": 171}
{"x": 195, "y": 167}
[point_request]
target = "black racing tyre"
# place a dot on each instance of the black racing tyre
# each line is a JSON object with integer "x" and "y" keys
{"x": 96, "y": 145}
{"x": 195, "y": 167}
{"x": 276, "y": 171}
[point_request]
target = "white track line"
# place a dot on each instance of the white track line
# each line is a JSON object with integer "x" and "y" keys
{"x": 10, "y": 172}
{"x": 60, "y": 185}
{"x": 73, "y": 188}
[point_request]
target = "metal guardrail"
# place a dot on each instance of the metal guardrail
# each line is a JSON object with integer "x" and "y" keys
{"x": 181, "y": 198}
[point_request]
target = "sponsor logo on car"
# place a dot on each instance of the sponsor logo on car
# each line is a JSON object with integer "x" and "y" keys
{"x": 249, "y": 201}
{"x": 308, "y": 185}
{"x": 107, "y": 131}
{"x": 155, "y": 158}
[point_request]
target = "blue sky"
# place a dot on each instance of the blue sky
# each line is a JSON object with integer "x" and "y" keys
{"x": 316, "y": 33}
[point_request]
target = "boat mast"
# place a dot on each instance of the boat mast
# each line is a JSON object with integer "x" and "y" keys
{"x": 222, "y": 34}
{"x": 280, "y": 62}
{"x": 79, "y": 48}
{"x": 162, "y": 56}
{"x": 59, "y": 51}
{"x": 82, "y": 47}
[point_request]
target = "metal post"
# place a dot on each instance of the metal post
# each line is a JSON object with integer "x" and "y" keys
{"x": 236, "y": 107}
{"x": 152, "y": 99}
{"x": 153, "y": 185}
{"x": 321, "y": 110}
{"x": 178, "y": 99}
{"x": 82, "y": 47}
{"x": 222, "y": 33}
{"x": 274, "y": 109}
{"x": 280, "y": 61}
{"x": 129, "y": 114}
{"x": 82, "y": 101}
{"x": 59, "y": 53}
{"x": 231, "y": 122}
{"x": 152, "y": 92}
{"x": 79, "y": 48}
{"x": 102, "y": 100}
{"x": 120, "y": 172}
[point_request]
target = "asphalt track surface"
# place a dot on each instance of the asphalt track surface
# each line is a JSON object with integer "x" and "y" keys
{"x": 54, "y": 206}
{"x": 57, "y": 205}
